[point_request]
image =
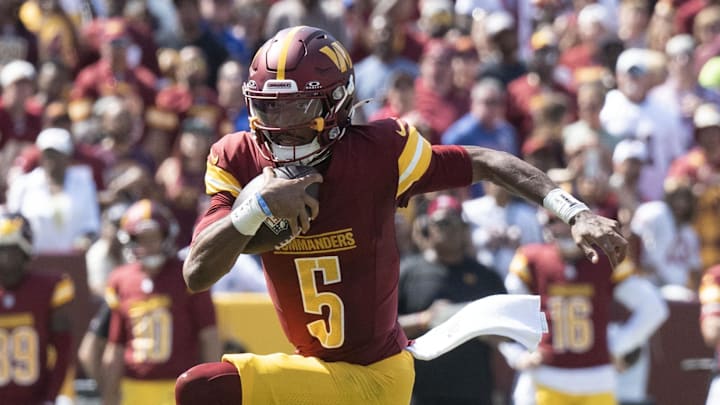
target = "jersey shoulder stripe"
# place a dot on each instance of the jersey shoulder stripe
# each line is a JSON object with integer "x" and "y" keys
{"x": 414, "y": 159}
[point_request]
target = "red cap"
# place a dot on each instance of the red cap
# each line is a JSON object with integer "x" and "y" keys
{"x": 444, "y": 203}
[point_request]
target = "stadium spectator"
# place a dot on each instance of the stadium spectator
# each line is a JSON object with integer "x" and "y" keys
{"x": 112, "y": 75}
{"x": 399, "y": 99}
{"x": 52, "y": 83}
{"x": 59, "y": 200}
{"x": 195, "y": 33}
{"x": 57, "y": 38}
{"x": 628, "y": 158}
{"x": 35, "y": 319}
{"x": 485, "y": 124}
{"x": 500, "y": 32}
{"x": 700, "y": 166}
{"x": 363, "y": 183}
{"x": 315, "y": 13}
{"x": 587, "y": 130}
{"x": 499, "y": 224}
{"x": 181, "y": 176}
{"x": 230, "y": 97}
{"x": 157, "y": 328}
{"x": 633, "y": 20}
{"x": 437, "y": 101}
{"x": 376, "y": 71}
{"x": 629, "y": 113}
{"x": 16, "y": 41}
{"x": 105, "y": 253}
{"x": 433, "y": 285}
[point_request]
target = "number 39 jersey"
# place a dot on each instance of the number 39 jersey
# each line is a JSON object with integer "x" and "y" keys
{"x": 335, "y": 288}
{"x": 156, "y": 320}
{"x": 25, "y": 321}
{"x": 576, "y": 298}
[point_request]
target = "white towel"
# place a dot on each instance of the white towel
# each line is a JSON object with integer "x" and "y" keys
{"x": 515, "y": 316}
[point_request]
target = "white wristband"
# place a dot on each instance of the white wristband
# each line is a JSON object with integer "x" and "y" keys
{"x": 563, "y": 204}
{"x": 248, "y": 216}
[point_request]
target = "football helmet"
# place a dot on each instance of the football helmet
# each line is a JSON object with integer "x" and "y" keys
{"x": 141, "y": 216}
{"x": 299, "y": 94}
{"x": 15, "y": 231}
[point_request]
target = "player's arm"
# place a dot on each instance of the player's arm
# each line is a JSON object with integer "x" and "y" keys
{"x": 648, "y": 312}
{"x": 113, "y": 368}
{"x": 93, "y": 344}
{"x": 210, "y": 349}
{"x": 525, "y": 180}
{"x": 60, "y": 335}
{"x": 61, "y": 339}
{"x": 216, "y": 248}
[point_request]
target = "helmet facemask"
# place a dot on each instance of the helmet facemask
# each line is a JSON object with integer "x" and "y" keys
{"x": 298, "y": 126}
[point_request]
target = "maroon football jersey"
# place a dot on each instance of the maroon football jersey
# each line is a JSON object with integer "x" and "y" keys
{"x": 25, "y": 318}
{"x": 576, "y": 298}
{"x": 335, "y": 288}
{"x": 157, "y": 320}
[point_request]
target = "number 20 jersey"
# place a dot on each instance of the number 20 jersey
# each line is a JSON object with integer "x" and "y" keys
{"x": 335, "y": 288}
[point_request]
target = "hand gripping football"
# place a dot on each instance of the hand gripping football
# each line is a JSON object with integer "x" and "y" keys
{"x": 274, "y": 232}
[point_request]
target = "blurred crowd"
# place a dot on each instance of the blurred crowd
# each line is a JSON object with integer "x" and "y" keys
{"x": 107, "y": 102}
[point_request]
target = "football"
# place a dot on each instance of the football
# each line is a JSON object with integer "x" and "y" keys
{"x": 274, "y": 232}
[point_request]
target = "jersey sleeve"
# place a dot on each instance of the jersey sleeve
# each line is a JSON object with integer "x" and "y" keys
{"x": 63, "y": 292}
{"x": 622, "y": 271}
{"x": 520, "y": 267}
{"x": 218, "y": 175}
{"x": 116, "y": 330}
{"x": 422, "y": 167}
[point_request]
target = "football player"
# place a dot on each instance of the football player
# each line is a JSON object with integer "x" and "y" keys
{"x": 33, "y": 315}
{"x": 157, "y": 328}
{"x": 574, "y": 362}
{"x": 334, "y": 286}
{"x": 710, "y": 321}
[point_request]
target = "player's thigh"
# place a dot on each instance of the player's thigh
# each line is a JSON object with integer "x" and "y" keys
{"x": 292, "y": 379}
{"x": 548, "y": 396}
{"x": 140, "y": 392}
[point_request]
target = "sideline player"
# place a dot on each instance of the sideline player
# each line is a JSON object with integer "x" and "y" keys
{"x": 574, "y": 362}
{"x": 157, "y": 328}
{"x": 335, "y": 286}
{"x": 33, "y": 315}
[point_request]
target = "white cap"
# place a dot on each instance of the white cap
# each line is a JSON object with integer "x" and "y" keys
{"x": 595, "y": 13}
{"x": 55, "y": 138}
{"x": 633, "y": 59}
{"x": 498, "y": 21}
{"x": 630, "y": 149}
{"x": 706, "y": 115}
{"x": 16, "y": 70}
{"x": 433, "y": 7}
{"x": 680, "y": 44}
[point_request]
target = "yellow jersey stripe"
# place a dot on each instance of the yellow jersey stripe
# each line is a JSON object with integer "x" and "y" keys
{"x": 414, "y": 160}
{"x": 111, "y": 298}
{"x": 284, "y": 51}
{"x": 519, "y": 267}
{"x": 217, "y": 180}
{"x": 139, "y": 308}
{"x": 14, "y": 320}
{"x": 64, "y": 292}
{"x": 622, "y": 271}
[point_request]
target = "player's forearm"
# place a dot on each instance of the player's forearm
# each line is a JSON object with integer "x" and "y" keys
{"x": 506, "y": 170}
{"x": 113, "y": 368}
{"x": 213, "y": 253}
{"x": 62, "y": 341}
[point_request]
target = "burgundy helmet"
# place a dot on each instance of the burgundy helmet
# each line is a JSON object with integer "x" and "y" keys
{"x": 300, "y": 79}
{"x": 146, "y": 214}
{"x": 15, "y": 231}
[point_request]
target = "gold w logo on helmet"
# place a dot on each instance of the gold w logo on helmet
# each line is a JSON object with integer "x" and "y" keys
{"x": 10, "y": 226}
{"x": 338, "y": 55}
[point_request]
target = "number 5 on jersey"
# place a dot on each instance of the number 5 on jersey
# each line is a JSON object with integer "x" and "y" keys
{"x": 330, "y": 332}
